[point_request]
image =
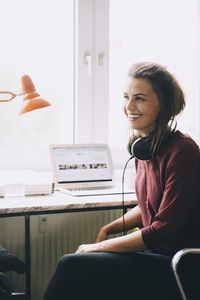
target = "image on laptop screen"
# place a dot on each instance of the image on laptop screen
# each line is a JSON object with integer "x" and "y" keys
{"x": 82, "y": 164}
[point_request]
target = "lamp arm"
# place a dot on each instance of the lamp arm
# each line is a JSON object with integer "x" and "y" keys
{"x": 12, "y": 96}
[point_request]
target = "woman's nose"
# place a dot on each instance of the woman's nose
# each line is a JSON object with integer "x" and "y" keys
{"x": 130, "y": 104}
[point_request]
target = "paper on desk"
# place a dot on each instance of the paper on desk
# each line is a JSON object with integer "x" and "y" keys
{"x": 36, "y": 183}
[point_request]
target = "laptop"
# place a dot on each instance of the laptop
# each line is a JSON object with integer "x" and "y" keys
{"x": 84, "y": 169}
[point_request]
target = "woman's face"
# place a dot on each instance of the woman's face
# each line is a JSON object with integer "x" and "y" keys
{"x": 141, "y": 106}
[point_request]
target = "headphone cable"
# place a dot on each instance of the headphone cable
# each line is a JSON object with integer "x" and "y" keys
{"x": 123, "y": 206}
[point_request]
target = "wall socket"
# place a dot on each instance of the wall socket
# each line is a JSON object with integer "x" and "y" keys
{"x": 42, "y": 224}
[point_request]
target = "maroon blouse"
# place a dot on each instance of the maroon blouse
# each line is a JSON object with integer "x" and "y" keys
{"x": 168, "y": 192}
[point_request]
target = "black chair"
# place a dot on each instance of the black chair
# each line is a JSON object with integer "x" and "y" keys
{"x": 9, "y": 262}
{"x": 185, "y": 265}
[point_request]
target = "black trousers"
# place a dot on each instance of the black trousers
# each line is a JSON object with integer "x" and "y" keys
{"x": 104, "y": 275}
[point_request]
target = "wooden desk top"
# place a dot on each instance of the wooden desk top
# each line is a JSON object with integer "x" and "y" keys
{"x": 59, "y": 202}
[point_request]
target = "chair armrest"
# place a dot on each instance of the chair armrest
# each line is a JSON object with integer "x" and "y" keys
{"x": 175, "y": 262}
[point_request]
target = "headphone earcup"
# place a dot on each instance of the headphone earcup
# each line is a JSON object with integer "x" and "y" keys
{"x": 141, "y": 148}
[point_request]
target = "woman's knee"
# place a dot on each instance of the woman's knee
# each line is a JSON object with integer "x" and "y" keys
{"x": 71, "y": 262}
{"x": 66, "y": 261}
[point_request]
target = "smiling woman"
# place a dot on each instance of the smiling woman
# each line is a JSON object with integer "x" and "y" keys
{"x": 155, "y": 99}
{"x": 165, "y": 220}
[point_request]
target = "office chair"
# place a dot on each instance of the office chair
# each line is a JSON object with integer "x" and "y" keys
{"x": 9, "y": 262}
{"x": 186, "y": 266}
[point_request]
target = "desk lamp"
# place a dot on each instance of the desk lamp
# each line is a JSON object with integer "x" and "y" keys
{"x": 31, "y": 100}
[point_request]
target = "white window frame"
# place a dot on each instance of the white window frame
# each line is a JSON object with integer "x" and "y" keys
{"x": 91, "y": 70}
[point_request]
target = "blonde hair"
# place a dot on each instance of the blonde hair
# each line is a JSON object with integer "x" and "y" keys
{"x": 170, "y": 96}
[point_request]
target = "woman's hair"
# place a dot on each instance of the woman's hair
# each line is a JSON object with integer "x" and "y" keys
{"x": 170, "y": 96}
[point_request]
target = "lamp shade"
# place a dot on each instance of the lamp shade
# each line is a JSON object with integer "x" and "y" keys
{"x": 32, "y": 99}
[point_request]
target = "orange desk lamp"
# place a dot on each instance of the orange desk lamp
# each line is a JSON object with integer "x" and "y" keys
{"x": 31, "y": 100}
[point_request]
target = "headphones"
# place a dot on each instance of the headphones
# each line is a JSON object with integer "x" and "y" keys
{"x": 141, "y": 148}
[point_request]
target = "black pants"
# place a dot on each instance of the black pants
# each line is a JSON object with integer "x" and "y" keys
{"x": 103, "y": 275}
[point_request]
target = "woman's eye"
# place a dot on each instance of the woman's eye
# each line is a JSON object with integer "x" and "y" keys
{"x": 126, "y": 97}
{"x": 139, "y": 98}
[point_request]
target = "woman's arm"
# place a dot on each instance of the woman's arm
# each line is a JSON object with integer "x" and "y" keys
{"x": 132, "y": 219}
{"x": 128, "y": 243}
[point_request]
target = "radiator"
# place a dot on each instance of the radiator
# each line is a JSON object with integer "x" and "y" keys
{"x": 51, "y": 237}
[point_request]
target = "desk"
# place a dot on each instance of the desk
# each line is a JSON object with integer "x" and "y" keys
{"x": 57, "y": 203}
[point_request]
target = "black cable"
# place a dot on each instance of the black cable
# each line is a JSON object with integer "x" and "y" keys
{"x": 140, "y": 149}
{"x": 123, "y": 208}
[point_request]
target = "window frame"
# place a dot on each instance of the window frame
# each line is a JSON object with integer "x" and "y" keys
{"x": 90, "y": 102}
{"x": 91, "y": 90}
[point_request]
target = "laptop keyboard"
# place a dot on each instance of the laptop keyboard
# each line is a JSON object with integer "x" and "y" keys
{"x": 89, "y": 188}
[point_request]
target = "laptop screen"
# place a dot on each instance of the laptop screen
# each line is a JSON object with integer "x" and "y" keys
{"x": 82, "y": 163}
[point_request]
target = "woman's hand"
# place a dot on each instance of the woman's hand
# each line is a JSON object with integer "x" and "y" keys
{"x": 97, "y": 246}
{"x": 89, "y": 248}
{"x": 129, "y": 243}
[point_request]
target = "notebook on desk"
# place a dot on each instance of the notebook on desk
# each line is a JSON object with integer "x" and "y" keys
{"x": 84, "y": 169}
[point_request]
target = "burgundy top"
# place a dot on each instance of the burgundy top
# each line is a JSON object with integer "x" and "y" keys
{"x": 168, "y": 192}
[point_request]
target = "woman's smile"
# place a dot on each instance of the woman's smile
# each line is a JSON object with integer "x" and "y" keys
{"x": 134, "y": 117}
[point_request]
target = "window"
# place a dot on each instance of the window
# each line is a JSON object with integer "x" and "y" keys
{"x": 162, "y": 31}
{"x": 77, "y": 53}
{"x": 37, "y": 38}
{"x": 63, "y": 46}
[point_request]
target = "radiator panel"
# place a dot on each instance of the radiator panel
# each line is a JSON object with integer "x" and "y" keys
{"x": 63, "y": 234}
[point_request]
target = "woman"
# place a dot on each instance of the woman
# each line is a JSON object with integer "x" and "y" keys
{"x": 138, "y": 265}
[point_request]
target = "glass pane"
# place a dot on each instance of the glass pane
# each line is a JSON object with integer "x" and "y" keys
{"x": 37, "y": 39}
{"x": 160, "y": 31}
